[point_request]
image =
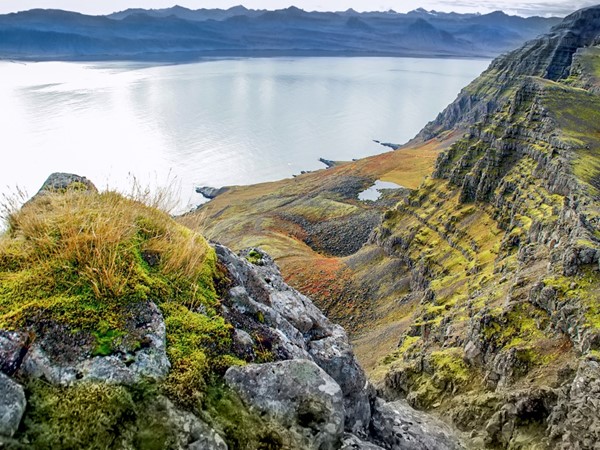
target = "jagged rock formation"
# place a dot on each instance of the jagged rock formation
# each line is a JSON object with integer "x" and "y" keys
{"x": 323, "y": 360}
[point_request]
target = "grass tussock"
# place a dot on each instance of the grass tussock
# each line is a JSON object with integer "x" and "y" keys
{"x": 102, "y": 248}
{"x": 81, "y": 261}
{"x": 84, "y": 263}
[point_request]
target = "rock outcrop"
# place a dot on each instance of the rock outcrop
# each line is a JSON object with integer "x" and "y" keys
{"x": 74, "y": 363}
{"x": 397, "y": 425}
{"x": 60, "y": 182}
{"x": 296, "y": 330}
{"x": 12, "y": 406}
{"x": 297, "y": 394}
{"x": 210, "y": 192}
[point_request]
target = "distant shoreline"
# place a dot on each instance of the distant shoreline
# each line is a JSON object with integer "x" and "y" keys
{"x": 191, "y": 57}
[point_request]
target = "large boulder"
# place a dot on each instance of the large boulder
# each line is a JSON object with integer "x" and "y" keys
{"x": 128, "y": 366}
{"x": 396, "y": 425}
{"x": 12, "y": 406}
{"x": 296, "y": 394}
{"x": 334, "y": 354}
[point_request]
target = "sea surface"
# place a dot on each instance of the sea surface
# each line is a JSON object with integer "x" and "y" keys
{"x": 216, "y": 123}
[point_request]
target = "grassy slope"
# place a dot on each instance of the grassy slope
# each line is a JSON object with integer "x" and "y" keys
{"x": 273, "y": 216}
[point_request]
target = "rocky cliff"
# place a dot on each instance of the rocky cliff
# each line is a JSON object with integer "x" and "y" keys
{"x": 120, "y": 328}
{"x": 501, "y": 251}
{"x": 549, "y": 56}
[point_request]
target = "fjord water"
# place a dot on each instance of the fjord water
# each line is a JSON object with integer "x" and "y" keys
{"x": 214, "y": 123}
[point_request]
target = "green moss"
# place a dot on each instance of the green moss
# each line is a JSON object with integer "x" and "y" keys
{"x": 107, "y": 339}
{"x": 241, "y": 428}
{"x": 515, "y": 327}
{"x": 92, "y": 416}
{"x": 408, "y": 343}
{"x": 450, "y": 371}
{"x": 425, "y": 393}
{"x": 254, "y": 257}
{"x": 199, "y": 348}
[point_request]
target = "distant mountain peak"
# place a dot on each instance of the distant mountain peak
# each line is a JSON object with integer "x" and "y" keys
{"x": 421, "y": 24}
{"x": 238, "y": 8}
{"x": 294, "y": 9}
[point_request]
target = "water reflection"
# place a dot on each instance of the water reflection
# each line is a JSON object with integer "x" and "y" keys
{"x": 213, "y": 123}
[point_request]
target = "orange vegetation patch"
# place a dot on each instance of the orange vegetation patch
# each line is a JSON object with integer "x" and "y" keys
{"x": 323, "y": 279}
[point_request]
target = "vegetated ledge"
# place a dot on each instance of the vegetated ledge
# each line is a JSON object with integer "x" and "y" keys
{"x": 120, "y": 328}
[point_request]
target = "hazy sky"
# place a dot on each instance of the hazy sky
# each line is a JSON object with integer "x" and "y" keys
{"x": 520, "y": 7}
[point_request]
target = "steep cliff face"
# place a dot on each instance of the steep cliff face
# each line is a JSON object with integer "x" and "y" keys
{"x": 549, "y": 56}
{"x": 501, "y": 252}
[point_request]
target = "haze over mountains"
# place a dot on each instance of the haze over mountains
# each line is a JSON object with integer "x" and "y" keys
{"x": 179, "y": 33}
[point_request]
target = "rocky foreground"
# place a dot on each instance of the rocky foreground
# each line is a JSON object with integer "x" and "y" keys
{"x": 72, "y": 372}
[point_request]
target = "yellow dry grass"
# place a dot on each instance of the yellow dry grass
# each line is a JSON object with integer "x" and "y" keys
{"x": 100, "y": 236}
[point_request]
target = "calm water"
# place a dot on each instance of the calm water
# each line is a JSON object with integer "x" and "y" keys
{"x": 212, "y": 123}
{"x": 373, "y": 193}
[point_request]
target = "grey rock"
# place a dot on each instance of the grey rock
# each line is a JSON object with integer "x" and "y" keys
{"x": 396, "y": 425}
{"x": 352, "y": 442}
{"x": 12, "y": 406}
{"x": 574, "y": 422}
{"x": 191, "y": 432}
{"x": 13, "y": 347}
{"x": 303, "y": 331}
{"x": 243, "y": 344}
{"x": 37, "y": 364}
{"x": 296, "y": 394}
{"x": 60, "y": 181}
{"x": 123, "y": 368}
{"x": 334, "y": 354}
{"x": 210, "y": 192}
{"x": 473, "y": 354}
{"x": 328, "y": 162}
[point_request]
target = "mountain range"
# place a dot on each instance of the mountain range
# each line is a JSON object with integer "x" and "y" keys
{"x": 179, "y": 33}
